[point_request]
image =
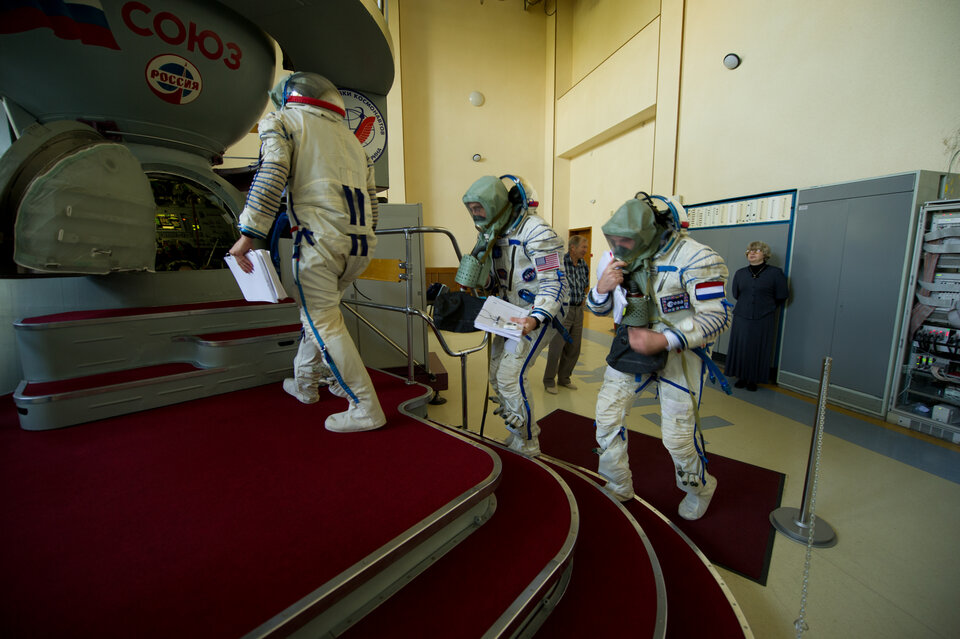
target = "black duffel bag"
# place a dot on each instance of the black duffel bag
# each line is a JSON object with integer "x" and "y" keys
{"x": 626, "y": 360}
{"x": 455, "y": 311}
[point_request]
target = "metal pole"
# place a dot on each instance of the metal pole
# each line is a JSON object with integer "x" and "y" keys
{"x": 406, "y": 268}
{"x": 802, "y": 525}
{"x": 463, "y": 391}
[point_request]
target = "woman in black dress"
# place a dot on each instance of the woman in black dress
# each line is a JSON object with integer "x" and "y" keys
{"x": 759, "y": 289}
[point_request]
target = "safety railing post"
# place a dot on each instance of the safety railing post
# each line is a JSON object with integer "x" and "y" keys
{"x": 802, "y": 525}
{"x": 798, "y": 524}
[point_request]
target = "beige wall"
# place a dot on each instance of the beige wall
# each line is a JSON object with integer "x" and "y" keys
{"x": 608, "y": 97}
{"x": 612, "y": 139}
{"x": 594, "y": 31}
{"x": 827, "y": 92}
{"x": 450, "y": 49}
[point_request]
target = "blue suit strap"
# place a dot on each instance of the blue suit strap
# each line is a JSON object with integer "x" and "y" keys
{"x": 280, "y": 226}
{"x": 557, "y": 324}
{"x": 714, "y": 370}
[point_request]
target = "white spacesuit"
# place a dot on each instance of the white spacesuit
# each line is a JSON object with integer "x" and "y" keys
{"x": 678, "y": 286}
{"x": 522, "y": 263}
{"x": 307, "y": 148}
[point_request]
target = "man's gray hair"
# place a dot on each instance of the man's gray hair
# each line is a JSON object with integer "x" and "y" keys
{"x": 575, "y": 241}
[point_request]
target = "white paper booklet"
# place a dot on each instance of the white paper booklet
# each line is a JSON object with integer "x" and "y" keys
{"x": 495, "y": 316}
{"x": 263, "y": 284}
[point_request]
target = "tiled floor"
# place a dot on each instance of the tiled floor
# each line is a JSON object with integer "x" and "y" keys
{"x": 893, "y": 498}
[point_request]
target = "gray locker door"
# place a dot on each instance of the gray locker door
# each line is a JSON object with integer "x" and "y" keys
{"x": 815, "y": 282}
{"x": 869, "y": 288}
{"x": 849, "y": 248}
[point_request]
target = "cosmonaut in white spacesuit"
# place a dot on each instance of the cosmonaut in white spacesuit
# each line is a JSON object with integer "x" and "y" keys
{"x": 332, "y": 205}
{"x": 519, "y": 258}
{"x": 673, "y": 307}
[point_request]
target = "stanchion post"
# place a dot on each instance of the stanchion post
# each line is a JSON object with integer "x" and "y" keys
{"x": 798, "y": 524}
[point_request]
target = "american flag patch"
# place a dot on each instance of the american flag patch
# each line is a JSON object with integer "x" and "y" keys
{"x": 547, "y": 262}
{"x": 709, "y": 290}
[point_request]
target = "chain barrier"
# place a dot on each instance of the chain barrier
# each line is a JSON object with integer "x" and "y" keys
{"x": 800, "y": 625}
{"x": 801, "y": 524}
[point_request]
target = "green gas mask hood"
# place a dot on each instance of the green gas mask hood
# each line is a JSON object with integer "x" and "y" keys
{"x": 636, "y": 222}
{"x": 491, "y": 193}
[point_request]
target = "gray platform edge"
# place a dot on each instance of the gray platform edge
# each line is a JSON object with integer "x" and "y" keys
{"x": 49, "y": 412}
{"x": 532, "y": 606}
{"x": 105, "y": 345}
{"x": 537, "y": 601}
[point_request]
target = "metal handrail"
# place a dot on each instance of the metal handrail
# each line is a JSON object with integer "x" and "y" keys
{"x": 410, "y": 311}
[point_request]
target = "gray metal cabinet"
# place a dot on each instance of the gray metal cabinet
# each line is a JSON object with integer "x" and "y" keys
{"x": 850, "y": 252}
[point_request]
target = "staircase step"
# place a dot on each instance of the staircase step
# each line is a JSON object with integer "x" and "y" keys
{"x": 68, "y": 402}
{"x": 711, "y": 612}
{"x": 215, "y": 519}
{"x": 616, "y": 582}
{"x": 272, "y": 347}
{"x": 63, "y": 345}
{"x": 502, "y": 579}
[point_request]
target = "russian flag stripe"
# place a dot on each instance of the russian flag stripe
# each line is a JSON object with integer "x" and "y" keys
{"x": 82, "y": 20}
{"x": 709, "y": 290}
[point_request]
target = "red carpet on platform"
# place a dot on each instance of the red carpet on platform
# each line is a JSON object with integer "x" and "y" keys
{"x": 206, "y": 518}
{"x": 735, "y": 533}
{"x": 485, "y": 574}
{"x": 624, "y": 580}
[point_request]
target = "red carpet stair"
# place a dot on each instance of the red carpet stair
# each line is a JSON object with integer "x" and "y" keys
{"x": 148, "y": 523}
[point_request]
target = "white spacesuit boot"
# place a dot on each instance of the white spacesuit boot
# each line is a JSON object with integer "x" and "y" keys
{"x": 613, "y": 404}
{"x": 364, "y": 412}
{"x": 310, "y": 373}
{"x": 304, "y": 395}
{"x": 304, "y": 385}
{"x": 522, "y": 439}
{"x": 699, "y": 485}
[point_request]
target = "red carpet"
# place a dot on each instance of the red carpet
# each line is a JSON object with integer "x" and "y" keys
{"x": 603, "y": 579}
{"x": 206, "y": 518}
{"x": 464, "y": 593}
{"x": 693, "y": 610}
{"x": 735, "y": 533}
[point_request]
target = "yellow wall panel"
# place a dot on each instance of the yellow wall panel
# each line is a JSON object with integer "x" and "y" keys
{"x": 616, "y": 96}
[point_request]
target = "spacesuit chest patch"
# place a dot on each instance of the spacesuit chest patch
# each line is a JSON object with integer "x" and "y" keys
{"x": 529, "y": 275}
{"x": 502, "y": 274}
{"x": 674, "y": 303}
{"x": 547, "y": 262}
{"x": 709, "y": 290}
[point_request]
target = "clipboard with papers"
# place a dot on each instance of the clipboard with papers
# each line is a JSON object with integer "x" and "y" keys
{"x": 263, "y": 284}
{"x": 494, "y": 317}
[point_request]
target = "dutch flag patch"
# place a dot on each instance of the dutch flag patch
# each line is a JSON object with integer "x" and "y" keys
{"x": 709, "y": 290}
